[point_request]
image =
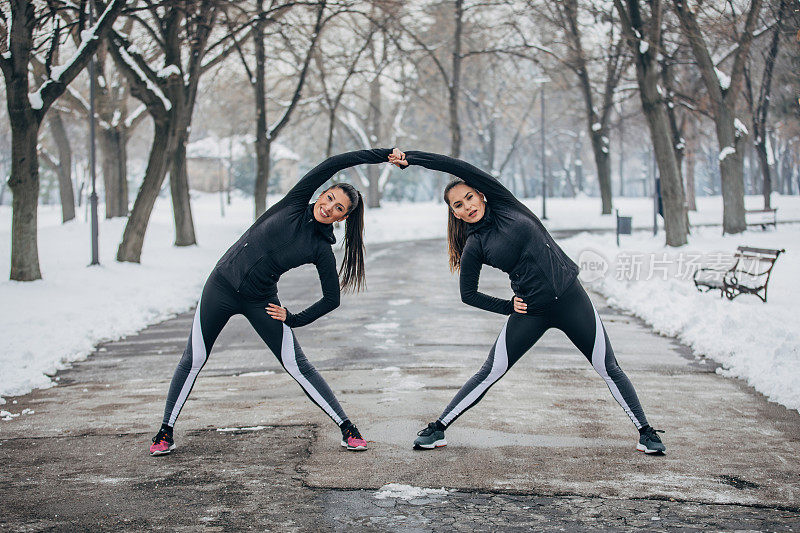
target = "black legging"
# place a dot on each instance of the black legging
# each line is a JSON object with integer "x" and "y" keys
{"x": 218, "y": 304}
{"x": 574, "y": 314}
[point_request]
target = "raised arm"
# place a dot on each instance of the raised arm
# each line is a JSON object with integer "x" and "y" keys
{"x": 329, "y": 280}
{"x": 473, "y": 176}
{"x": 321, "y": 173}
{"x": 470, "y": 274}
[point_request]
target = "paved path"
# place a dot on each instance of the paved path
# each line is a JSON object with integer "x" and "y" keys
{"x": 547, "y": 448}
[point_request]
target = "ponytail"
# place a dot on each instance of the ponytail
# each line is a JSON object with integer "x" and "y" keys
{"x": 456, "y": 231}
{"x": 351, "y": 272}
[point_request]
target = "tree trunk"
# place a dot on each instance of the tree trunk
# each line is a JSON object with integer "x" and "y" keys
{"x": 374, "y": 131}
{"x": 64, "y": 169}
{"x": 113, "y": 150}
{"x": 621, "y": 158}
{"x": 763, "y": 160}
{"x": 731, "y": 169}
{"x": 762, "y": 107}
{"x": 455, "y": 84}
{"x": 130, "y": 249}
{"x": 263, "y": 167}
{"x": 329, "y": 143}
{"x": 24, "y": 185}
{"x": 690, "y": 157}
{"x": 373, "y": 189}
{"x": 603, "y": 163}
{"x": 723, "y": 97}
{"x": 179, "y": 187}
{"x": 661, "y": 137}
{"x": 653, "y": 105}
{"x": 786, "y": 165}
{"x": 262, "y": 142}
{"x": 597, "y": 121}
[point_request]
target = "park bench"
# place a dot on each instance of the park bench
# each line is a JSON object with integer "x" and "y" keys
{"x": 749, "y": 273}
{"x": 762, "y": 217}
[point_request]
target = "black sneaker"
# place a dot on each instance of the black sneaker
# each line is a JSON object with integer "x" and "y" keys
{"x": 650, "y": 442}
{"x": 429, "y": 438}
{"x": 162, "y": 443}
{"x": 352, "y": 440}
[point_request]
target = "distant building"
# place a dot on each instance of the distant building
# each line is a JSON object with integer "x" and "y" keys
{"x": 209, "y": 161}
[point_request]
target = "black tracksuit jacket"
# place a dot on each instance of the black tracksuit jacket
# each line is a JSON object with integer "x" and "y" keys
{"x": 287, "y": 236}
{"x": 509, "y": 237}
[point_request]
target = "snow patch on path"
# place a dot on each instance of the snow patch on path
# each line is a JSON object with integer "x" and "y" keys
{"x": 407, "y": 492}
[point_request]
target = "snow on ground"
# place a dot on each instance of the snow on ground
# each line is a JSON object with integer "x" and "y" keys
{"x": 60, "y": 318}
{"x": 427, "y": 220}
{"x": 248, "y": 428}
{"x": 758, "y": 342}
{"x": 46, "y": 324}
{"x": 407, "y": 492}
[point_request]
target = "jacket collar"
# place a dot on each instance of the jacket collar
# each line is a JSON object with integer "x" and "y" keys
{"x": 325, "y": 230}
{"x": 484, "y": 222}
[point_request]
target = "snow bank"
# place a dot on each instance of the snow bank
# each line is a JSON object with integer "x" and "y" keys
{"x": 61, "y": 318}
{"x": 754, "y": 341}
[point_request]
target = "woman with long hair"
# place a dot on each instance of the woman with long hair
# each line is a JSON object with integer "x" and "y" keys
{"x": 289, "y": 234}
{"x": 488, "y": 225}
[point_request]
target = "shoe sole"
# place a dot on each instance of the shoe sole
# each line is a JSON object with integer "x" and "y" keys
{"x": 353, "y": 448}
{"x": 645, "y": 449}
{"x": 437, "y": 444}
{"x": 165, "y": 452}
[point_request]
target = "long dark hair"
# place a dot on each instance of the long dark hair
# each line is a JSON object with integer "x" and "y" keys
{"x": 456, "y": 230}
{"x": 351, "y": 271}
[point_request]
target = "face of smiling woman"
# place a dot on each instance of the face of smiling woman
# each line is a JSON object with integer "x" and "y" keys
{"x": 467, "y": 203}
{"x": 331, "y": 206}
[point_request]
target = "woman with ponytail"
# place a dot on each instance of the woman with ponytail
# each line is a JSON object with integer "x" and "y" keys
{"x": 488, "y": 225}
{"x": 289, "y": 234}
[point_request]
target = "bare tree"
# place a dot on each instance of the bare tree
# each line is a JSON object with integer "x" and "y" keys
{"x": 27, "y": 109}
{"x": 614, "y": 65}
{"x": 267, "y": 134}
{"x": 180, "y": 33}
{"x": 497, "y": 109}
{"x": 64, "y": 166}
{"x": 643, "y": 35}
{"x": 347, "y": 57}
{"x": 460, "y": 31}
{"x": 361, "y": 127}
{"x": 449, "y": 68}
{"x": 723, "y": 93}
{"x": 759, "y": 105}
{"x": 114, "y": 125}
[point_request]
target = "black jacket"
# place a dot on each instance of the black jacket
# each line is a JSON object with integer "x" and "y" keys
{"x": 509, "y": 237}
{"x": 287, "y": 236}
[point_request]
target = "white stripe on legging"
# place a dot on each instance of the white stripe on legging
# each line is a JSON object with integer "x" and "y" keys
{"x": 289, "y": 358}
{"x": 599, "y": 364}
{"x": 198, "y": 360}
{"x": 499, "y": 367}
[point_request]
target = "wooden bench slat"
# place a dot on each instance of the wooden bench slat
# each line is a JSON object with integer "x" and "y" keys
{"x": 769, "y": 218}
{"x": 764, "y": 251}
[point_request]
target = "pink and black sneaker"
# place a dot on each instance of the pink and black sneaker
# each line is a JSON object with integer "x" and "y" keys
{"x": 351, "y": 438}
{"x": 163, "y": 443}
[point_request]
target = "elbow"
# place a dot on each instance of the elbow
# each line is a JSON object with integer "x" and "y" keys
{"x": 468, "y": 297}
{"x": 333, "y": 301}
